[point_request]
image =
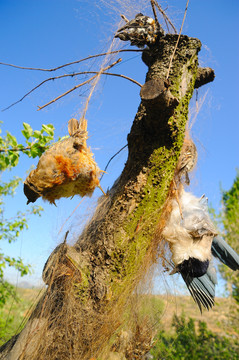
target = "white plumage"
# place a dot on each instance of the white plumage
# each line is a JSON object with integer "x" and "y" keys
{"x": 192, "y": 235}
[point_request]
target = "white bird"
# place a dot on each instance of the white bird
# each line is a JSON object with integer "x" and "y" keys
{"x": 193, "y": 240}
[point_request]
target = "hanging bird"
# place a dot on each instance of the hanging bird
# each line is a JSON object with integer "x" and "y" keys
{"x": 66, "y": 169}
{"x": 187, "y": 160}
{"x": 141, "y": 31}
{"x": 193, "y": 240}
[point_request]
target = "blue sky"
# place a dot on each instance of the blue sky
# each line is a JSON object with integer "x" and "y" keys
{"x": 48, "y": 33}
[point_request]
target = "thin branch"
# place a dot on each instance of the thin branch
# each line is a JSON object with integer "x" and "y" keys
{"x": 69, "y": 75}
{"x": 112, "y": 159}
{"x": 165, "y": 16}
{"x": 67, "y": 92}
{"x": 73, "y": 62}
{"x": 15, "y": 149}
{"x": 175, "y": 48}
{"x": 152, "y": 2}
{"x": 124, "y": 18}
{"x": 77, "y": 86}
{"x": 124, "y": 77}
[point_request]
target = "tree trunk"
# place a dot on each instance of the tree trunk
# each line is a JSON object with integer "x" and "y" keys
{"x": 89, "y": 283}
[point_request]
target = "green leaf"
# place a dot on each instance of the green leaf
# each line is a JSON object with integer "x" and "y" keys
{"x": 14, "y": 158}
{"x": 27, "y": 132}
{"x": 35, "y": 151}
{"x": 37, "y": 134}
{"x": 12, "y": 140}
{"x": 49, "y": 129}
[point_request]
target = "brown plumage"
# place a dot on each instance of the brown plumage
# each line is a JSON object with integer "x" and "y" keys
{"x": 66, "y": 169}
{"x": 187, "y": 160}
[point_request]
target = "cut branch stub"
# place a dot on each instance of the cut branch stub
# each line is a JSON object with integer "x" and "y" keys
{"x": 156, "y": 93}
{"x": 204, "y": 76}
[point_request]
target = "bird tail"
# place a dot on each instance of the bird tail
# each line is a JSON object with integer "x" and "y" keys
{"x": 73, "y": 126}
{"x": 202, "y": 288}
{"x": 225, "y": 253}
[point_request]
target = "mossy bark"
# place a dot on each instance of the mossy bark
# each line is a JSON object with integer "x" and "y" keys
{"x": 116, "y": 247}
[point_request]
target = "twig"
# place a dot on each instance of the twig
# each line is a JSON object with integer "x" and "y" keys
{"x": 70, "y": 75}
{"x": 97, "y": 79}
{"x": 175, "y": 48}
{"x": 66, "y": 93}
{"x": 15, "y": 149}
{"x": 73, "y": 62}
{"x": 112, "y": 159}
{"x": 124, "y": 18}
{"x": 66, "y": 234}
{"x": 152, "y": 2}
{"x": 124, "y": 77}
{"x": 77, "y": 86}
{"x": 165, "y": 16}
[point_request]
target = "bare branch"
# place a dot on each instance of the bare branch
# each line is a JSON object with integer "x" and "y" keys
{"x": 176, "y": 45}
{"x": 112, "y": 157}
{"x": 124, "y": 77}
{"x": 69, "y": 75}
{"x": 79, "y": 85}
{"x": 165, "y": 16}
{"x": 73, "y": 62}
{"x": 124, "y": 18}
{"x": 152, "y": 2}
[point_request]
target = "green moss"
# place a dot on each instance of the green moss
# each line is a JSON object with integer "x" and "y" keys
{"x": 162, "y": 163}
{"x": 133, "y": 238}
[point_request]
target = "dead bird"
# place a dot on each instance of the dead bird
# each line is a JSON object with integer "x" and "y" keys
{"x": 66, "y": 169}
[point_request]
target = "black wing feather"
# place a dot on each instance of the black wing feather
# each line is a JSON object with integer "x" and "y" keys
{"x": 225, "y": 253}
{"x": 202, "y": 290}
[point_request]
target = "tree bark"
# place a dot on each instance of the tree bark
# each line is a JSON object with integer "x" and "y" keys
{"x": 89, "y": 283}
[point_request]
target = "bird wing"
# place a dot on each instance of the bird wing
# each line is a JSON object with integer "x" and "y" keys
{"x": 224, "y": 252}
{"x": 202, "y": 288}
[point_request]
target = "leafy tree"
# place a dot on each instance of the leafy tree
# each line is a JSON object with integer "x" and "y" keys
{"x": 188, "y": 343}
{"x": 36, "y": 142}
{"x": 230, "y": 220}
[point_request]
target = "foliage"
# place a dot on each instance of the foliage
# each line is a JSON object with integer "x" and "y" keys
{"x": 14, "y": 313}
{"x": 36, "y": 142}
{"x": 230, "y": 220}
{"x": 188, "y": 343}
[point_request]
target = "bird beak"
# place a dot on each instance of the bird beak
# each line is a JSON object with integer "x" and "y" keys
{"x": 174, "y": 271}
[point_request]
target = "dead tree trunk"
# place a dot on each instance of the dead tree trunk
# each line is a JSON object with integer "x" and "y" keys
{"x": 89, "y": 283}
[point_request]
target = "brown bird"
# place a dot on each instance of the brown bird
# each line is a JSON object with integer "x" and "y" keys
{"x": 66, "y": 169}
{"x": 187, "y": 160}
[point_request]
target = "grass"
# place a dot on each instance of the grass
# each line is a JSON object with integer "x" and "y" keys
{"x": 161, "y": 307}
{"x": 14, "y": 313}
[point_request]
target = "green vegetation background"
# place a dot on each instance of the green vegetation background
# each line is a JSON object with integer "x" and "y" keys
{"x": 181, "y": 336}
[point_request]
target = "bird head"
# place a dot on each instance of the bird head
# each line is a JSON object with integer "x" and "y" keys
{"x": 30, "y": 192}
